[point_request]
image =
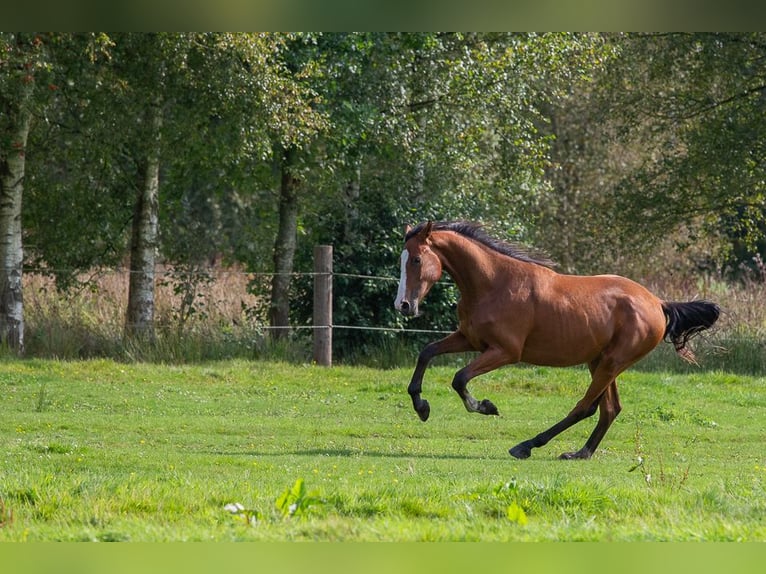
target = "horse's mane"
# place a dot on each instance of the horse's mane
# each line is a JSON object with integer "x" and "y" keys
{"x": 475, "y": 231}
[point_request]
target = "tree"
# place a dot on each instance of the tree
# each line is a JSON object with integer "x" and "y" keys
{"x": 575, "y": 215}
{"x": 21, "y": 57}
{"x": 669, "y": 152}
{"x": 144, "y": 240}
{"x": 297, "y": 69}
{"x": 198, "y": 117}
{"x": 79, "y": 200}
{"x": 148, "y": 66}
{"x": 284, "y": 244}
{"x": 713, "y": 175}
{"x": 440, "y": 126}
{"x": 82, "y": 187}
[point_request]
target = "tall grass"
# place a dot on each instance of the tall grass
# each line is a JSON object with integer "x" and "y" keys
{"x": 217, "y": 316}
{"x": 737, "y": 343}
{"x": 210, "y": 318}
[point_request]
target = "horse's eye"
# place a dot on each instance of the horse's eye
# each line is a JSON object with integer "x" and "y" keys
{"x": 416, "y": 260}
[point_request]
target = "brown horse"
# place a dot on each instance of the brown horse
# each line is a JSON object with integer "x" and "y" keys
{"x": 515, "y": 308}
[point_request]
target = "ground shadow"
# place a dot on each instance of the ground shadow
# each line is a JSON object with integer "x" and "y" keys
{"x": 349, "y": 453}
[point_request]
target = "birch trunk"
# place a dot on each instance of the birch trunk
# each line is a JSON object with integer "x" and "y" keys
{"x": 284, "y": 249}
{"x": 139, "y": 321}
{"x": 12, "y": 165}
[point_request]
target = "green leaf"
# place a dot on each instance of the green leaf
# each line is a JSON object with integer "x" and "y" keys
{"x": 516, "y": 514}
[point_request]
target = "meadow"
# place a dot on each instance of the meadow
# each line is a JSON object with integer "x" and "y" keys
{"x": 243, "y": 450}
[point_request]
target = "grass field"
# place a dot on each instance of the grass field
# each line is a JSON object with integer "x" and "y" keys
{"x": 99, "y": 450}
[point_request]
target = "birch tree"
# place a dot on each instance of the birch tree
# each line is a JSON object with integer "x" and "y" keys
{"x": 19, "y": 59}
{"x": 143, "y": 246}
{"x": 149, "y": 83}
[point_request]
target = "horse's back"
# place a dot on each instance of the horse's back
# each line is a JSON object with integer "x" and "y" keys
{"x": 607, "y": 300}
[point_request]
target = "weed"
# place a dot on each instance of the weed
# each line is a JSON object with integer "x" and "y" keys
{"x": 6, "y": 515}
{"x": 296, "y": 500}
{"x": 516, "y": 514}
{"x": 248, "y": 515}
{"x": 661, "y": 477}
{"x": 42, "y": 398}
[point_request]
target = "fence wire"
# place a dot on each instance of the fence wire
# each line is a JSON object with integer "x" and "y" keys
{"x": 359, "y": 328}
{"x": 170, "y": 271}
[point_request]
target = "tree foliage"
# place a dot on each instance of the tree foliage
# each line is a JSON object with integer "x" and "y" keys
{"x": 430, "y": 126}
{"x": 714, "y": 103}
{"x": 663, "y": 151}
{"x": 600, "y": 149}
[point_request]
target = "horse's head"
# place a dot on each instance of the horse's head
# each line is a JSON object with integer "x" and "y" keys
{"x": 421, "y": 268}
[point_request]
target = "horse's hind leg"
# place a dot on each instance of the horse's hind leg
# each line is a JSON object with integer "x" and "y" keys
{"x": 524, "y": 449}
{"x": 489, "y": 360}
{"x": 601, "y": 392}
{"x": 452, "y": 343}
{"x": 609, "y": 408}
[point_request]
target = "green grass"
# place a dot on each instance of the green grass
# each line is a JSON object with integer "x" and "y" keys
{"x": 99, "y": 450}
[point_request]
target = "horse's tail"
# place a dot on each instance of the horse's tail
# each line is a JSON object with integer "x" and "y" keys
{"x": 684, "y": 320}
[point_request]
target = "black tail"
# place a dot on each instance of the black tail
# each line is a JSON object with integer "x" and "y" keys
{"x": 684, "y": 320}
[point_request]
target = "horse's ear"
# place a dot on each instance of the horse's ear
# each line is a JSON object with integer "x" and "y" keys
{"x": 427, "y": 230}
{"x": 407, "y": 229}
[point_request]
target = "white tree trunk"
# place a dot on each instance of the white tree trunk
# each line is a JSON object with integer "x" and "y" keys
{"x": 12, "y": 164}
{"x": 139, "y": 319}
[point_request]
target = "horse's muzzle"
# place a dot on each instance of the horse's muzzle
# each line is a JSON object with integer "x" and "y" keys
{"x": 407, "y": 309}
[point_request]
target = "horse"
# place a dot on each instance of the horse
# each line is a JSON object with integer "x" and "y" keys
{"x": 514, "y": 307}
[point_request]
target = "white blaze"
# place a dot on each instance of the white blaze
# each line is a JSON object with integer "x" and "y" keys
{"x": 402, "y": 281}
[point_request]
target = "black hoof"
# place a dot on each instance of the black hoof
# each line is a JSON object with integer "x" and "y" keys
{"x": 424, "y": 410}
{"x": 487, "y": 408}
{"x": 579, "y": 455}
{"x": 520, "y": 451}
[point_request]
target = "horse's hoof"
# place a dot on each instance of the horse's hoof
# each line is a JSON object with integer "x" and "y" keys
{"x": 424, "y": 411}
{"x": 520, "y": 451}
{"x": 487, "y": 408}
{"x": 579, "y": 455}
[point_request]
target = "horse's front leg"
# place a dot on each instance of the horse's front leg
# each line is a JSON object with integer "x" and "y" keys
{"x": 489, "y": 360}
{"x": 453, "y": 343}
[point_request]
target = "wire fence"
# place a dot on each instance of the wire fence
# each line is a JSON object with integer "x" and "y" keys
{"x": 229, "y": 306}
{"x": 171, "y": 275}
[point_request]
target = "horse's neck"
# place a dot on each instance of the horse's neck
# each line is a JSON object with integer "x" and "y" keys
{"x": 472, "y": 266}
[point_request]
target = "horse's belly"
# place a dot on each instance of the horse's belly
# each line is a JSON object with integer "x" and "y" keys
{"x": 555, "y": 356}
{"x": 565, "y": 339}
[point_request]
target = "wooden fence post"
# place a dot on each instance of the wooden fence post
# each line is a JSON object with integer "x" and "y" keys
{"x": 323, "y": 305}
